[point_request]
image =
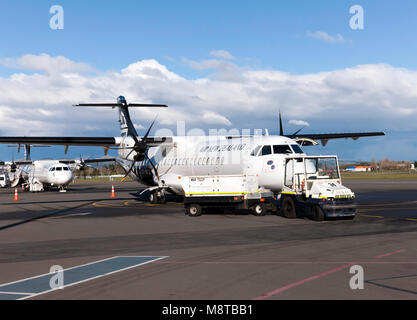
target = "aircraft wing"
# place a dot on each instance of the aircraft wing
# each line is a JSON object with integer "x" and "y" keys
{"x": 79, "y": 141}
{"x": 325, "y": 137}
{"x": 91, "y": 160}
{"x": 73, "y": 141}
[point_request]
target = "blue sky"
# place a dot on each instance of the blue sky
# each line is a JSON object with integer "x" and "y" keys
{"x": 260, "y": 35}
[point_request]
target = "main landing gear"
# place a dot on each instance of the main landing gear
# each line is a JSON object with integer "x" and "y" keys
{"x": 157, "y": 196}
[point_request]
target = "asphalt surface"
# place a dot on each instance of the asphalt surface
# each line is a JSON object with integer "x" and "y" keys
{"x": 232, "y": 255}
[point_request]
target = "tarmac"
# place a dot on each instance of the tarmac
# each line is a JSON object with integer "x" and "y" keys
{"x": 126, "y": 248}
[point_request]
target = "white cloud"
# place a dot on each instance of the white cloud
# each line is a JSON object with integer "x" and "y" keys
{"x": 45, "y": 63}
{"x": 321, "y": 35}
{"x": 362, "y": 98}
{"x": 221, "y": 54}
{"x": 299, "y": 123}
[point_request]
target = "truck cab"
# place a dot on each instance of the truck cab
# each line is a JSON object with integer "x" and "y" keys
{"x": 313, "y": 187}
{"x": 4, "y": 180}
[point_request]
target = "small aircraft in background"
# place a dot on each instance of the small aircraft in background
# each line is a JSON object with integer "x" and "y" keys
{"x": 40, "y": 175}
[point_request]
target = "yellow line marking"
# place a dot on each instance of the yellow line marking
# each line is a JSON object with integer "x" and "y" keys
{"x": 412, "y": 219}
{"x": 365, "y": 215}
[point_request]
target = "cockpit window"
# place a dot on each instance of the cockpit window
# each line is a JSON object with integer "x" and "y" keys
{"x": 297, "y": 148}
{"x": 65, "y": 168}
{"x": 266, "y": 150}
{"x": 282, "y": 149}
{"x": 52, "y": 169}
{"x": 58, "y": 168}
{"x": 255, "y": 151}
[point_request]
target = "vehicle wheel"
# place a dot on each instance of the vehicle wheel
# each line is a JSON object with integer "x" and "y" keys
{"x": 193, "y": 210}
{"x": 259, "y": 209}
{"x": 317, "y": 213}
{"x": 288, "y": 208}
{"x": 153, "y": 197}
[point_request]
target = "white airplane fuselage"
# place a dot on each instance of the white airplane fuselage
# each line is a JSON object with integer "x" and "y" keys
{"x": 218, "y": 155}
{"x": 49, "y": 173}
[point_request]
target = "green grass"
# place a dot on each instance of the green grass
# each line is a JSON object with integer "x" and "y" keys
{"x": 98, "y": 180}
{"x": 394, "y": 174}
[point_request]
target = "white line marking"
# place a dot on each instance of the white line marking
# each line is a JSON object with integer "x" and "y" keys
{"x": 99, "y": 276}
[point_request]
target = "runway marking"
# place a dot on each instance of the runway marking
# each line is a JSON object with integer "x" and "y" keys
{"x": 298, "y": 283}
{"x": 369, "y": 216}
{"x": 71, "y": 215}
{"x": 37, "y": 285}
{"x": 389, "y": 254}
{"x": 287, "y": 262}
{"x": 388, "y": 204}
{"x": 318, "y": 276}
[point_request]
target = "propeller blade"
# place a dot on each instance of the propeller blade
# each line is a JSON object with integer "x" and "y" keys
{"x": 130, "y": 169}
{"x": 295, "y": 133}
{"x": 281, "y": 129}
{"x": 153, "y": 166}
{"x": 149, "y": 130}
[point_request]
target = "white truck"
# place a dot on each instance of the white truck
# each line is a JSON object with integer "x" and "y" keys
{"x": 225, "y": 191}
{"x": 313, "y": 187}
{"x": 4, "y": 180}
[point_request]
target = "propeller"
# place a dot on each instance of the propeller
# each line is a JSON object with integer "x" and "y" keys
{"x": 141, "y": 149}
{"x": 281, "y": 128}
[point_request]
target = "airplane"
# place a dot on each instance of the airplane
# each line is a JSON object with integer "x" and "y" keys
{"x": 160, "y": 162}
{"x": 39, "y": 175}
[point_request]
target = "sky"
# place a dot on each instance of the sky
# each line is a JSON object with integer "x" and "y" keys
{"x": 218, "y": 65}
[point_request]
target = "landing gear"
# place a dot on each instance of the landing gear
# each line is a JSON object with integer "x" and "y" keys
{"x": 157, "y": 196}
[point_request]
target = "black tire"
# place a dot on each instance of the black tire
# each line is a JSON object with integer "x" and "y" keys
{"x": 162, "y": 198}
{"x": 317, "y": 213}
{"x": 193, "y": 210}
{"x": 259, "y": 209}
{"x": 153, "y": 197}
{"x": 288, "y": 208}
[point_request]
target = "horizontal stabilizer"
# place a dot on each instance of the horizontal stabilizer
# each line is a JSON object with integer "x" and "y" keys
{"x": 112, "y": 105}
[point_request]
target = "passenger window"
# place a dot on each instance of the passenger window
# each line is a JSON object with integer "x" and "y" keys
{"x": 282, "y": 149}
{"x": 266, "y": 150}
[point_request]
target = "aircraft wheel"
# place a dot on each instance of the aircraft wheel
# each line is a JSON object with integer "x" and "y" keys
{"x": 162, "y": 198}
{"x": 193, "y": 210}
{"x": 288, "y": 208}
{"x": 317, "y": 213}
{"x": 259, "y": 209}
{"x": 153, "y": 197}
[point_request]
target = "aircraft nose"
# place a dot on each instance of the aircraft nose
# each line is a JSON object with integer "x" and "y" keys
{"x": 64, "y": 177}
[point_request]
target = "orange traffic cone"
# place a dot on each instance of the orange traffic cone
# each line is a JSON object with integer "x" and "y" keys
{"x": 113, "y": 194}
{"x": 16, "y": 197}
